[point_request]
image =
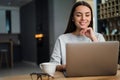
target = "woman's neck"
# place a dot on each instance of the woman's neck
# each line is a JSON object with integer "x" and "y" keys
{"x": 77, "y": 33}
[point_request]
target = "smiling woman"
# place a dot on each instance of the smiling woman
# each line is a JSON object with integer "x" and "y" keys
{"x": 79, "y": 29}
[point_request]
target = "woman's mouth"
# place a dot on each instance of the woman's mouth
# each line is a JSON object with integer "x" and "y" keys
{"x": 82, "y": 23}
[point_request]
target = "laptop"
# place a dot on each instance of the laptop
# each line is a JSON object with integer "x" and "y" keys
{"x": 91, "y": 59}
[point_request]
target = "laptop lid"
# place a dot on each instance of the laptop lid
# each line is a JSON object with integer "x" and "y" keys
{"x": 92, "y": 59}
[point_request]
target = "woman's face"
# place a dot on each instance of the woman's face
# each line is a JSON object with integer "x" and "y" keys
{"x": 82, "y": 17}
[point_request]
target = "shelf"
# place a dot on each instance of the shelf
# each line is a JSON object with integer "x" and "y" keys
{"x": 109, "y": 19}
{"x": 112, "y": 37}
{"x": 109, "y": 9}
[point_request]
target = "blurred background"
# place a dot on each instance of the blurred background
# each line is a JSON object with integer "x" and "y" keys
{"x": 29, "y": 28}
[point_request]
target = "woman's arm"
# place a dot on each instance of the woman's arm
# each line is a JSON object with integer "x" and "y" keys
{"x": 88, "y": 32}
{"x": 56, "y": 54}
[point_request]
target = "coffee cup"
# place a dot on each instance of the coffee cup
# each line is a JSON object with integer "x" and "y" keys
{"x": 48, "y": 68}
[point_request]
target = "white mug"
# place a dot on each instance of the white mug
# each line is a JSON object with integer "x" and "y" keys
{"x": 48, "y": 67}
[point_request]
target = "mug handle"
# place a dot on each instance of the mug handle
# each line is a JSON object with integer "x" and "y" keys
{"x": 40, "y": 66}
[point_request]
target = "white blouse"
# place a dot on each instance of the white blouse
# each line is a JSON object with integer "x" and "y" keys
{"x": 59, "y": 52}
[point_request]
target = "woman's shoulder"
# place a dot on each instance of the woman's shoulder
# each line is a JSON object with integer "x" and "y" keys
{"x": 98, "y": 34}
{"x": 64, "y": 35}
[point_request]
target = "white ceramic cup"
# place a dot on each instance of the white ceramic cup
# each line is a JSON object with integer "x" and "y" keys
{"x": 48, "y": 67}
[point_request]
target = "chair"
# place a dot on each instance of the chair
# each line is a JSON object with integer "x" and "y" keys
{"x": 4, "y": 55}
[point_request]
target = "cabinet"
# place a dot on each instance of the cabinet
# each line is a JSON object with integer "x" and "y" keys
{"x": 108, "y": 14}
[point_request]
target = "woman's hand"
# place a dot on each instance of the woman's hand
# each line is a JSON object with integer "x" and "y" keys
{"x": 61, "y": 67}
{"x": 89, "y": 33}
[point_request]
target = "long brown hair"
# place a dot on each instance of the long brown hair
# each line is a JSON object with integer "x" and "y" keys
{"x": 71, "y": 26}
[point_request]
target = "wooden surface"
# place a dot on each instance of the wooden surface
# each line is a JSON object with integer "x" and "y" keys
{"x": 60, "y": 76}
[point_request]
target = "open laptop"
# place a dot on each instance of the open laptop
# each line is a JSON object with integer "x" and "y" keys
{"x": 92, "y": 59}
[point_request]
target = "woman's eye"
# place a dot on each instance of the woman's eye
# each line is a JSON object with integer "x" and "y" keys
{"x": 78, "y": 15}
{"x": 87, "y": 15}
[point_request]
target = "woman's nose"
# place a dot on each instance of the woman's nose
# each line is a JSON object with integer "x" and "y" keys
{"x": 83, "y": 17}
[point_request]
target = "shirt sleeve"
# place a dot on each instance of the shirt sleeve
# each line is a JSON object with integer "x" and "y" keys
{"x": 101, "y": 38}
{"x": 56, "y": 54}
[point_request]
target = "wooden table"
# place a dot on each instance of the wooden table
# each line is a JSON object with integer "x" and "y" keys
{"x": 60, "y": 76}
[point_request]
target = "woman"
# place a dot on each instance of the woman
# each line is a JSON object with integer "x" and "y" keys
{"x": 79, "y": 29}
